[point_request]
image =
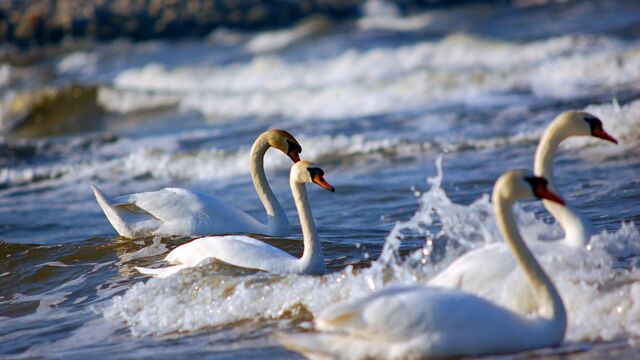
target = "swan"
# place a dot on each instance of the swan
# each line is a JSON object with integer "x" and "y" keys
{"x": 247, "y": 252}
{"x": 420, "y": 321}
{"x": 578, "y": 230}
{"x": 484, "y": 271}
{"x": 176, "y": 211}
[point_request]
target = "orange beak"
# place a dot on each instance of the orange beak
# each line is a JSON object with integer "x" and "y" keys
{"x": 600, "y": 133}
{"x": 543, "y": 193}
{"x": 318, "y": 179}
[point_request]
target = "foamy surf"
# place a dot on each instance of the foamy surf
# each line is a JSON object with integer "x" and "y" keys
{"x": 458, "y": 68}
{"x": 162, "y": 157}
{"x": 373, "y": 101}
{"x": 598, "y": 295}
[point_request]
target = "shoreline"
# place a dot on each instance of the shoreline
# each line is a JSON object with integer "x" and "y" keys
{"x": 25, "y": 25}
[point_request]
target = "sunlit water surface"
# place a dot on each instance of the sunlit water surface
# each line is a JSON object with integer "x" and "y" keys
{"x": 375, "y": 103}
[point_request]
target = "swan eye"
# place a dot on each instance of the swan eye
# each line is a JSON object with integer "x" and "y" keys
{"x": 293, "y": 151}
{"x": 593, "y": 122}
{"x": 293, "y": 147}
{"x": 541, "y": 191}
{"x": 597, "y": 130}
{"x": 317, "y": 177}
{"x": 537, "y": 184}
{"x": 315, "y": 172}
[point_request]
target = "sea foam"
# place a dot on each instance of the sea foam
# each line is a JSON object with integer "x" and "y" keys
{"x": 456, "y": 69}
{"x": 599, "y": 297}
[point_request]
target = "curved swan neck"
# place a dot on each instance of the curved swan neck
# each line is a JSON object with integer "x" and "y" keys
{"x": 277, "y": 218}
{"x": 546, "y": 153}
{"x": 312, "y": 256}
{"x": 549, "y": 300}
{"x": 577, "y": 229}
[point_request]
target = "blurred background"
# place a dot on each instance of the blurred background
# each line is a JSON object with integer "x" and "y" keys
{"x": 137, "y": 95}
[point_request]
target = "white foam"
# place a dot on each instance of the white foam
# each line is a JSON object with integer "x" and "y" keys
{"x": 162, "y": 158}
{"x": 124, "y": 101}
{"x": 225, "y": 36}
{"x": 267, "y": 41}
{"x": 380, "y": 14}
{"x": 599, "y": 298}
{"x": 6, "y": 75}
{"x": 200, "y": 299}
{"x": 585, "y": 74}
{"x": 601, "y": 301}
{"x": 79, "y": 61}
{"x": 458, "y": 68}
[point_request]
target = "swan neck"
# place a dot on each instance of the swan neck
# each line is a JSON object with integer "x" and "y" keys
{"x": 577, "y": 230}
{"x": 550, "y": 303}
{"x": 546, "y": 153}
{"x": 277, "y": 218}
{"x": 312, "y": 256}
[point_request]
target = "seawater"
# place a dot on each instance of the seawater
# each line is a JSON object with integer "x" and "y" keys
{"x": 412, "y": 119}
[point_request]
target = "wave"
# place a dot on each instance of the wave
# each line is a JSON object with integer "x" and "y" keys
{"x": 600, "y": 297}
{"x": 163, "y": 157}
{"x": 384, "y": 15}
{"x": 268, "y": 41}
{"x": 457, "y": 68}
{"x": 586, "y": 74}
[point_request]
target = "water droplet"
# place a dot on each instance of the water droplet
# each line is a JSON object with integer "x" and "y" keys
{"x": 371, "y": 284}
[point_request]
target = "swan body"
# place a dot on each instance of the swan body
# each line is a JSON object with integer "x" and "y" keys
{"x": 491, "y": 272}
{"x": 175, "y": 211}
{"x": 485, "y": 271}
{"x": 247, "y": 252}
{"x": 419, "y": 322}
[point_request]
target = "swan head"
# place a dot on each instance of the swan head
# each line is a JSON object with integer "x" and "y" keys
{"x": 304, "y": 172}
{"x": 285, "y": 142}
{"x": 580, "y": 123}
{"x": 521, "y": 185}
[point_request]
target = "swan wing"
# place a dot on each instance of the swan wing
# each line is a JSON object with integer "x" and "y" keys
{"x": 237, "y": 250}
{"x": 129, "y": 221}
{"x": 185, "y": 212}
{"x": 172, "y": 203}
{"x": 399, "y": 313}
{"x": 400, "y": 322}
{"x": 476, "y": 269}
{"x": 491, "y": 272}
{"x": 355, "y": 330}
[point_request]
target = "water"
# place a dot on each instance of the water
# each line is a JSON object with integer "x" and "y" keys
{"x": 375, "y": 102}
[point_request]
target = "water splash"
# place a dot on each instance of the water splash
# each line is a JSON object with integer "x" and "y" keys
{"x": 595, "y": 291}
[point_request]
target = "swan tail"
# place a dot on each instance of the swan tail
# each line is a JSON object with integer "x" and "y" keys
{"x": 161, "y": 273}
{"x": 120, "y": 216}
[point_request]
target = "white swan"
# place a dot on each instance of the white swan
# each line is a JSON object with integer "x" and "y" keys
{"x": 247, "y": 252}
{"x": 175, "y": 211}
{"x": 577, "y": 229}
{"x": 485, "y": 271}
{"x": 419, "y": 322}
